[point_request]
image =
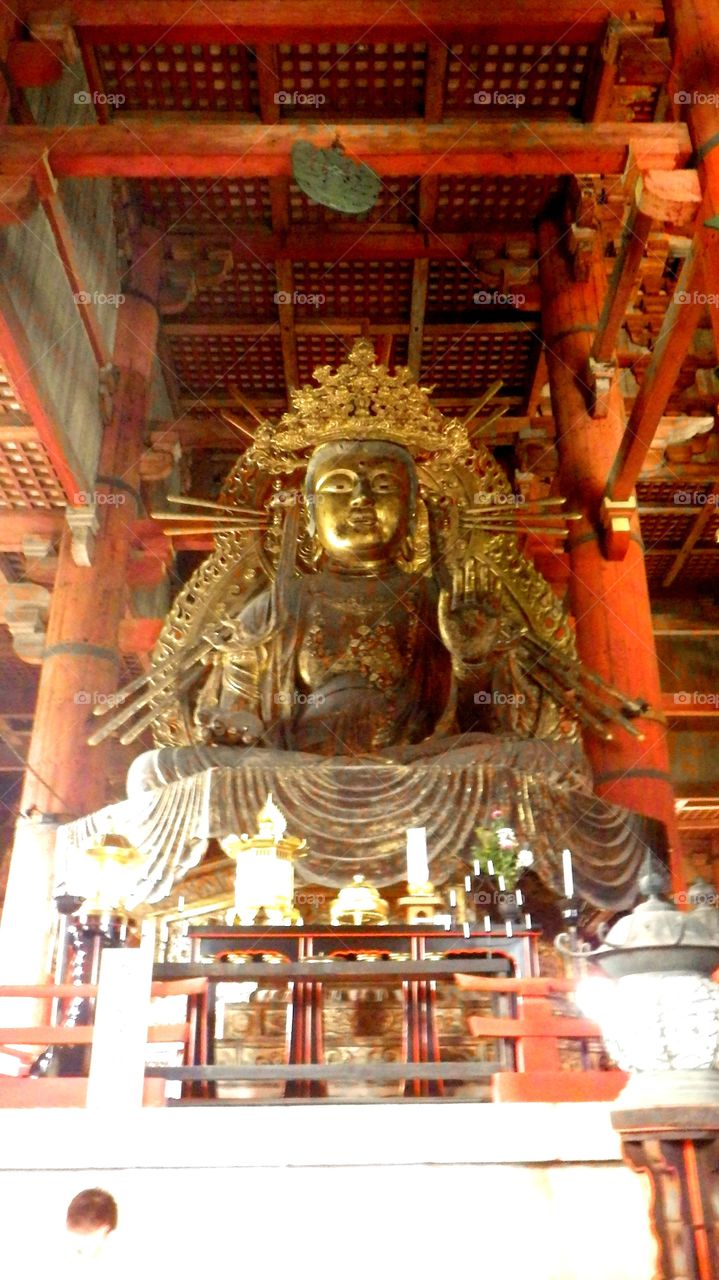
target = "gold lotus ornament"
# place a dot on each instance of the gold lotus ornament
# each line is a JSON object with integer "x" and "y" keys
{"x": 265, "y": 875}
{"x": 359, "y": 903}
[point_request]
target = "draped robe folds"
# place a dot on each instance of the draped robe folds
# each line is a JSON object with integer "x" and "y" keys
{"x": 360, "y": 742}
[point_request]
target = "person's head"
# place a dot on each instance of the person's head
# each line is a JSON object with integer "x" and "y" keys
{"x": 91, "y": 1217}
{"x": 361, "y": 497}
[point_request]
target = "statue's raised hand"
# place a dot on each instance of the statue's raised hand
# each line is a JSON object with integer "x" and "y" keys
{"x": 470, "y": 610}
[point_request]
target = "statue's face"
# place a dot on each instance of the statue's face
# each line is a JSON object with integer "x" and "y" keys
{"x": 360, "y": 497}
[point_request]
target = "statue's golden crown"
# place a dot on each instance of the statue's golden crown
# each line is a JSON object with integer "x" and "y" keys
{"x": 360, "y": 401}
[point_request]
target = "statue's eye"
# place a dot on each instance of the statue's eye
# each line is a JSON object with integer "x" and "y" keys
{"x": 338, "y": 482}
{"x": 385, "y": 482}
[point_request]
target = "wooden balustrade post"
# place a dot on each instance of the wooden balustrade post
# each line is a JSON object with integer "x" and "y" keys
{"x": 538, "y": 1050}
{"x": 609, "y": 598}
{"x": 678, "y": 1148}
{"x": 65, "y": 778}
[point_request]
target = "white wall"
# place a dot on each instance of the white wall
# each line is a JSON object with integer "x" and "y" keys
{"x": 336, "y": 1190}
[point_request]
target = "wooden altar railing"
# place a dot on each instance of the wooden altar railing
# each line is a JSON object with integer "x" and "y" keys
{"x": 531, "y": 1033}
{"x": 24, "y": 1043}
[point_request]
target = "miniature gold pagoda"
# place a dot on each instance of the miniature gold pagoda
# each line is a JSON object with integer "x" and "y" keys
{"x": 264, "y": 877}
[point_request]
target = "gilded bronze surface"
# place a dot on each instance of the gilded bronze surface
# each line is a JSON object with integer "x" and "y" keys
{"x": 368, "y": 642}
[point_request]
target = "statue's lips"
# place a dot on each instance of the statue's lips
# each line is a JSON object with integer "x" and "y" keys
{"x": 363, "y": 520}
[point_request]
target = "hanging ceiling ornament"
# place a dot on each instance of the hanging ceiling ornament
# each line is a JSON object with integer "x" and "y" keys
{"x": 329, "y": 177}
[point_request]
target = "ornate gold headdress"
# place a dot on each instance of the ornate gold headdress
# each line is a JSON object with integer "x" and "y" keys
{"x": 360, "y": 401}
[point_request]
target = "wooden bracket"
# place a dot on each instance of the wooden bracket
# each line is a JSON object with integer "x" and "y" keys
{"x": 601, "y": 375}
{"x": 668, "y": 195}
{"x": 188, "y": 272}
{"x": 159, "y": 461}
{"x": 40, "y": 558}
{"x": 107, "y": 380}
{"x": 83, "y": 525}
{"x": 581, "y": 247}
{"x": 583, "y": 224}
{"x": 24, "y": 608}
{"x": 617, "y": 525}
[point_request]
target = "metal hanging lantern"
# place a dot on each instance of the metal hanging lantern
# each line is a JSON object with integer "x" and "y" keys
{"x": 331, "y": 178}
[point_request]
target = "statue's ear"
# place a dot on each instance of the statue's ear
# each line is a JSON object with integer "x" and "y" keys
{"x": 310, "y": 514}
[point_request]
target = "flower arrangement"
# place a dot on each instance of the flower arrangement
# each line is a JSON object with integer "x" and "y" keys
{"x": 498, "y": 853}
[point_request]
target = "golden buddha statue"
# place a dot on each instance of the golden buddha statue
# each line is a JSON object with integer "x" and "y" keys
{"x": 361, "y": 658}
{"x": 368, "y": 643}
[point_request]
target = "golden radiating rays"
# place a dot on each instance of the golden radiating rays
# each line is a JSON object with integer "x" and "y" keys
{"x": 484, "y": 424}
{"x": 212, "y": 517}
{"x": 533, "y": 516}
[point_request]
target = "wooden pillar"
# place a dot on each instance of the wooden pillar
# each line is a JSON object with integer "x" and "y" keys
{"x": 609, "y": 599}
{"x": 694, "y": 89}
{"x": 81, "y": 664}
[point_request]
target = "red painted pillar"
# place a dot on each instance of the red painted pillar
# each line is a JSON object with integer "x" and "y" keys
{"x": 609, "y": 599}
{"x": 694, "y": 91}
{"x": 65, "y": 778}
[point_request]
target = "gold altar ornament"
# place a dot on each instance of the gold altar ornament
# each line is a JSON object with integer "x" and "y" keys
{"x": 359, "y": 903}
{"x": 105, "y": 874}
{"x": 422, "y": 902}
{"x": 264, "y": 876}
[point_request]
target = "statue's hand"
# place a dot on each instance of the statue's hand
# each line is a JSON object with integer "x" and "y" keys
{"x": 232, "y": 728}
{"x": 470, "y": 616}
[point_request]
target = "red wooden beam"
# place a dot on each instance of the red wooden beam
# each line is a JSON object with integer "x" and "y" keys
{"x": 225, "y": 21}
{"x": 15, "y": 526}
{"x": 250, "y": 242}
{"x": 190, "y": 150}
{"x": 680, "y": 321}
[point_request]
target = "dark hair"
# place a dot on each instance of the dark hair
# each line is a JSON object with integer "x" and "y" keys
{"x": 91, "y": 1210}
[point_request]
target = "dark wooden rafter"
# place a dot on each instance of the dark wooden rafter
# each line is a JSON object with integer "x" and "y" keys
{"x": 497, "y": 147}
{"x": 706, "y": 515}
{"x": 539, "y": 381}
{"x": 252, "y": 244}
{"x": 664, "y": 197}
{"x": 694, "y": 29}
{"x": 622, "y": 283}
{"x": 62, "y": 235}
{"x": 680, "y": 321}
{"x": 428, "y": 197}
{"x": 433, "y": 114}
{"x": 20, "y": 364}
{"x": 269, "y": 83}
{"x": 225, "y": 21}
{"x": 600, "y": 91}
